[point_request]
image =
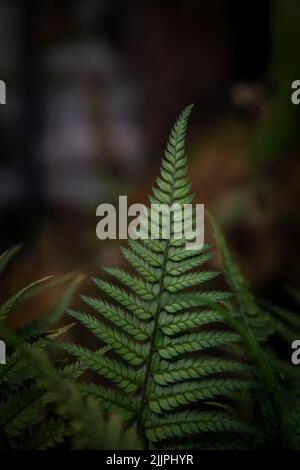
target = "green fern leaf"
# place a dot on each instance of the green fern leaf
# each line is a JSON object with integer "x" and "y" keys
{"x": 154, "y": 322}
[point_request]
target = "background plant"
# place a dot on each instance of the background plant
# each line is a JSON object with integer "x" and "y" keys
{"x": 278, "y": 411}
{"x": 27, "y": 418}
{"x": 41, "y": 406}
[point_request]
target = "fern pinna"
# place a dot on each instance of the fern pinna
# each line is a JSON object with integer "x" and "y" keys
{"x": 168, "y": 372}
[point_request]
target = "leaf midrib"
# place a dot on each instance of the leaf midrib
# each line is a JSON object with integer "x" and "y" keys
{"x": 157, "y": 312}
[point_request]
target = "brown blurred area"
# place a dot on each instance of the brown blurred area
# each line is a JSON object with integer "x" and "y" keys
{"x": 93, "y": 87}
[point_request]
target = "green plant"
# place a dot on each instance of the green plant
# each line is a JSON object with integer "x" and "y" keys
{"x": 78, "y": 418}
{"x": 278, "y": 415}
{"x": 24, "y": 405}
{"x": 287, "y": 328}
{"x": 171, "y": 370}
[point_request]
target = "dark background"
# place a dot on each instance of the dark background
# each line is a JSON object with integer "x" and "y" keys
{"x": 93, "y": 87}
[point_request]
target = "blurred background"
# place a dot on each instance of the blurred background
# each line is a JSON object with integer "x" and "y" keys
{"x": 93, "y": 88}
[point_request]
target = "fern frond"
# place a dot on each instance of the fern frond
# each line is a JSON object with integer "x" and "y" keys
{"x": 158, "y": 318}
{"x": 275, "y": 413}
{"x": 24, "y": 404}
{"x": 257, "y": 319}
{"x": 87, "y": 424}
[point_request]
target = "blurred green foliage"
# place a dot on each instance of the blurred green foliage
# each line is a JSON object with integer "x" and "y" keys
{"x": 279, "y": 130}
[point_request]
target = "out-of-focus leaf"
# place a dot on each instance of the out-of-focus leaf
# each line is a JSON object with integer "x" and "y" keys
{"x": 8, "y": 255}
{"x": 55, "y": 313}
{"x": 10, "y": 303}
{"x": 257, "y": 319}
